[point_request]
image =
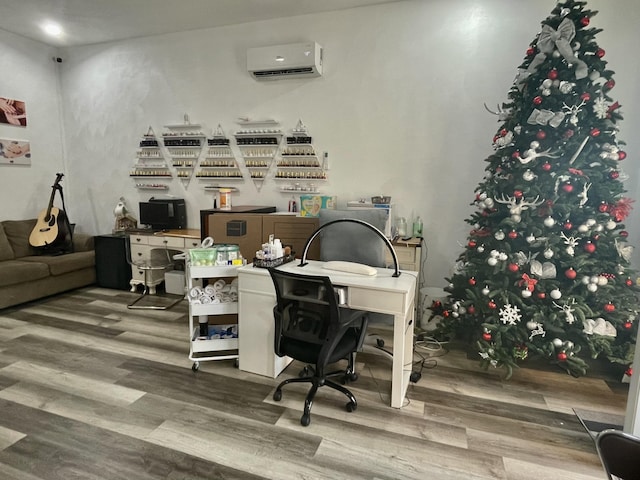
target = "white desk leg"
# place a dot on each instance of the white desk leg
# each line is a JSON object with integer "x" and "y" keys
{"x": 402, "y": 355}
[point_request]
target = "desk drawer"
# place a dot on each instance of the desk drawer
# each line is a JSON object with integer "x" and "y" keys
{"x": 191, "y": 243}
{"x": 376, "y": 301}
{"x": 139, "y": 240}
{"x": 170, "y": 242}
{"x": 139, "y": 252}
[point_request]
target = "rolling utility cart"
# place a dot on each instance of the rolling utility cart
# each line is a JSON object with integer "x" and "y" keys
{"x": 219, "y": 297}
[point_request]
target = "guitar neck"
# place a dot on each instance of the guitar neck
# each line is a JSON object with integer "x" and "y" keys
{"x": 53, "y": 194}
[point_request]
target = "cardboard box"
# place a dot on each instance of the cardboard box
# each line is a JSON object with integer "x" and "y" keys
{"x": 310, "y": 205}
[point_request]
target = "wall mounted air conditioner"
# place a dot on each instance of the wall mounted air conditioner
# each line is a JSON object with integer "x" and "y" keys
{"x": 295, "y": 60}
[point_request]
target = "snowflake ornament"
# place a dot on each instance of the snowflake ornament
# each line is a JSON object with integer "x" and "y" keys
{"x": 510, "y": 314}
{"x": 600, "y": 107}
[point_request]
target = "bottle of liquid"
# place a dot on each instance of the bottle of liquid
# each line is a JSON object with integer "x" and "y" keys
{"x": 401, "y": 227}
{"x": 417, "y": 227}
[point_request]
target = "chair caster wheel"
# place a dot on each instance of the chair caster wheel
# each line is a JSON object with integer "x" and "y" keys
{"x": 305, "y": 420}
{"x": 196, "y": 366}
{"x": 352, "y": 377}
{"x": 415, "y": 377}
{"x": 380, "y": 342}
{"x": 277, "y": 395}
{"x": 351, "y": 407}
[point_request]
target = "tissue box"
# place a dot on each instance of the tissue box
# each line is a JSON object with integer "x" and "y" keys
{"x": 310, "y": 205}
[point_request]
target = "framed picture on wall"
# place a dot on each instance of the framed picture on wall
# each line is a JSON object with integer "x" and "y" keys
{"x": 13, "y": 112}
{"x": 14, "y": 152}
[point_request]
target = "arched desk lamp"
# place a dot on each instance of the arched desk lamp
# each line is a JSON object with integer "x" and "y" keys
{"x": 303, "y": 260}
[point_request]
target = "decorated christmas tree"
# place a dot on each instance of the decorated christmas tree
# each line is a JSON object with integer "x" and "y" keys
{"x": 545, "y": 270}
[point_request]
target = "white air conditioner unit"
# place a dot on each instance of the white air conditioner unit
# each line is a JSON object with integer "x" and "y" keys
{"x": 295, "y": 60}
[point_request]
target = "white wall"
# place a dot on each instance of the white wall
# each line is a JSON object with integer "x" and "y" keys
{"x": 399, "y": 109}
{"x": 29, "y": 74}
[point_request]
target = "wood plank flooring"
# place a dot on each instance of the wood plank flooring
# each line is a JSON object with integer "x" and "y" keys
{"x": 91, "y": 390}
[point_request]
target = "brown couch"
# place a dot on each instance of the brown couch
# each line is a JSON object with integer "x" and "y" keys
{"x": 25, "y": 275}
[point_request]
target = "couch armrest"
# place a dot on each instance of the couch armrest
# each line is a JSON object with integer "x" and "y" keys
{"x": 82, "y": 242}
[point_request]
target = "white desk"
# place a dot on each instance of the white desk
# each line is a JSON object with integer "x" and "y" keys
{"x": 380, "y": 293}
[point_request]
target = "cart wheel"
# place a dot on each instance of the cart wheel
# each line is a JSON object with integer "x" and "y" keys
{"x": 380, "y": 342}
{"x": 236, "y": 363}
{"x": 351, "y": 407}
{"x": 277, "y": 395}
{"x": 195, "y": 366}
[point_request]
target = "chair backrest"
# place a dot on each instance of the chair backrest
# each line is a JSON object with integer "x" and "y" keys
{"x": 351, "y": 242}
{"x": 619, "y": 453}
{"x": 306, "y": 311}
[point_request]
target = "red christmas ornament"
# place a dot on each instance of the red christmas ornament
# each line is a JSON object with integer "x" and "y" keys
{"x": 609, "y": 307}
{"x": 486, "y": 336}
{"x": 553, "y": 74}
{"x": 596, "y": 237}
{"x": 512, "y": 234}
{"x": 610, "y": 84}
{"x": 622, "y": 154}
{"x": 472, "y": 281}
{"x": 546, "y": 166}
{"x": 542, "y": 295}
{"x": 513, "y": 267}
{"x": 585, "y": 97}
{"x": 530, "y": 51}
{"x": 436, "y": 304}
{"x": 570, "y": 273}
{"x": 491, "y": 304}
{"x": 541, "y": 135}
{"x": 624, "y": 233}
{"x": 472, "y": 244}
{"x": 446, "y": 313}
{"x": 471, "y": 310}
{"x": 589, "y": 247}
{"x": 584, "y": 21}
{"x": 537, "y": 100}
{"x": 567, "y": 225}
{"x": 518, "y": 194}
{"x": 600, "y": 53}
{"x": 594, "y": 132}
{"x": 603, "y": 207}
{"x": 614, "y": 174}
{"x": 515, "y": 154}
{"x": 628, "y": 325}
{"x": 568, "y": 134}
{"x": 503, "y": 132}
{"x": 628, "y": 372}
{"x": 628, "y": 282}
{"x": 562, "y": 356}
{"x": 567, "y": 187}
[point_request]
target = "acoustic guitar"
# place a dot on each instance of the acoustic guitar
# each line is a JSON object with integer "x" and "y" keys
{"x": 52, "y": 225}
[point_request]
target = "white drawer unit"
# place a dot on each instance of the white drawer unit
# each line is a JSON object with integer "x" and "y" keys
{"x": 149, "y": 246}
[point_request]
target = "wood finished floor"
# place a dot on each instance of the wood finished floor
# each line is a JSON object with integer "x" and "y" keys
{"x": 91, "y": 390}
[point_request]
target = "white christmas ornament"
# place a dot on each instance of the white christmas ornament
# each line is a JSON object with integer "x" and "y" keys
{"x": 492, "y": 261}
{"x": 549, "y": 222}
{"x": 555, "y": 294}
{"x": 602, "y": 281}
{"x": 481, "y": 249}
{"x": 583, "y": 228}
{"x": 529, "y": 176}
{"x": 526, "y": 293}
{"x": 548, "y": 253}
{"x": 585, "y": 280}
{"x": 531, "y": 325}
{"x": 556, "y": 342}
{"x": 610, "y": 225}
{"x": 502, "y": 256}
{"x": 530, "y": 238}
{"x": 510, "y": 314}
{"x": 592, "y": 287}
{"x": 499, "y": 235}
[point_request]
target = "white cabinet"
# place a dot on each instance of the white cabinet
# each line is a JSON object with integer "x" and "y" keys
{"x": 255, "y": 317}
{"x": 148, "y": 246}
{"x": 220, "y": 341}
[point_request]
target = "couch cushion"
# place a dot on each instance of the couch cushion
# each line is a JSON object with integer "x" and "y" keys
{"x": 16, "y": 271}
{"x": 18, "y": 232}
{"x": 61, "y": 264}
{"x": 6, "y": 252}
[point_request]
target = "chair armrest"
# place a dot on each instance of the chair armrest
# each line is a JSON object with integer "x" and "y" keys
{"x": 82, "y": 242}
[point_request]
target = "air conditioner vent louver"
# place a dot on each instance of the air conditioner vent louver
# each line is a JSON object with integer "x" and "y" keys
{"x": 297, "y": 60}
{"x": 284, "y": 72}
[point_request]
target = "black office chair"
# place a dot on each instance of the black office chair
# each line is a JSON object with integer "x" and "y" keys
{"x": 619, "y": 453}
{"x": 312, "y": 328}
